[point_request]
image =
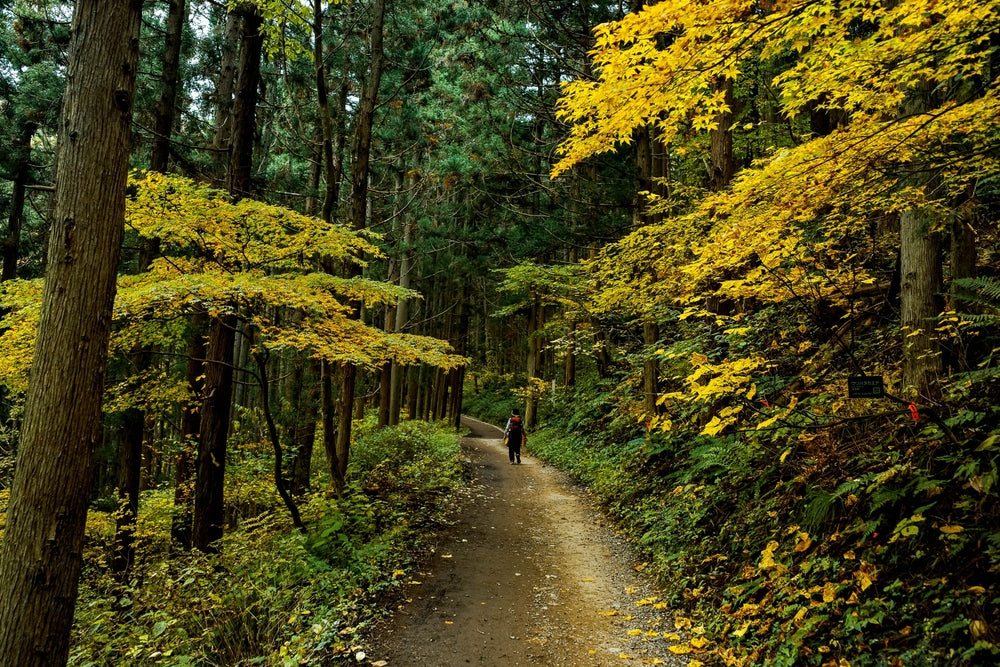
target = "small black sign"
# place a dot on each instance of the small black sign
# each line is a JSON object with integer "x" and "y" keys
{"x": 865, "y": 386}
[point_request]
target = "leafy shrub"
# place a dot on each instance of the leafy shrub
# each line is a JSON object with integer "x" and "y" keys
{"x": 272, "y": 596}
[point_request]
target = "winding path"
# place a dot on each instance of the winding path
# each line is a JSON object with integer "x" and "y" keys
{"x": 530, "y": 574}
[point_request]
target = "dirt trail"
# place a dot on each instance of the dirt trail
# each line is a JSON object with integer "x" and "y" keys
{"x": 528, "y": 575}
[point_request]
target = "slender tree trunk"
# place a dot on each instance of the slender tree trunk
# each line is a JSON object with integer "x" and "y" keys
{"x": 209, "y": 501}
{"x": 245, "y": 103}
{"x": 272, "y": 430}
{"x": 40, "y": 558}
{"x": 134, "y": 419}
{"x": 164, "y": 123}
{"x": 920, "y": 285}
{"x": 22, "y": 173}
{"x": 329, "y": 427}
{"x": 651, "y": 367}
{"x": 190, "y": 432}
{"x": 532, "y": 360}
{"x": 224, "y": 89}
{"x": 359, "y": 205}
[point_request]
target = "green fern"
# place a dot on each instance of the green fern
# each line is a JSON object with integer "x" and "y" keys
{"x": 981, "y": 291}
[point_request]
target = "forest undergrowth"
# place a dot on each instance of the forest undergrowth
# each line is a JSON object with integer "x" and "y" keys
{"x": 272, "y": 596}
{"x": 872, "y": 541}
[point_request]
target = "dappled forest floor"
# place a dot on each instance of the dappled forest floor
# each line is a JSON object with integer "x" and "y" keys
{"x": 530, "y": 574}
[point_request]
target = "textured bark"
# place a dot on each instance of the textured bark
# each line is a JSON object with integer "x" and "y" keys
{"x": 722, "y": 162}
{"x": 209, "y": 505}
{"x": 963, "y": 252}
{"x": 41, "y": 555}
{"x": 224, "y": 89}
{"x": 402, "y": 317}
{"x": 920, "y": 285}
{"x": 245, "y": 103}
{"x": 328, "y": 410}
{"x": 165, "y": 109}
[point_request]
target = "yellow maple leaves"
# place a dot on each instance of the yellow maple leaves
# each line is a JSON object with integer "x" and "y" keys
{"x": 788, "y": 224}
{"x": 248, "y": 259}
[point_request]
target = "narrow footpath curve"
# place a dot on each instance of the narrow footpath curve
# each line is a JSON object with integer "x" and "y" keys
{"x": 530, "y": 574}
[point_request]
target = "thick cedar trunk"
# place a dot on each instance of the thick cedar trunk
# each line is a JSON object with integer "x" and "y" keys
{"x": 305, "y": 397}
{"x": 359, "y": 208}
{"x": 461, "y": 347}
{"x": 412, "y": 389}
{"x": 384, "y": 386}
{"x": 569, "y": 366}
{"x": 190, "y": 432}
{"x": 41, "y": 554}
{"x": 963, "y": 249}
{"x": 164, "y": 123}
{"x": 209, "y": 506}
{"x": 305, "y": 437}
{"x": 345, "y": 412}
{"x": 22, "y": 171}
{"x": 331, "y": 145}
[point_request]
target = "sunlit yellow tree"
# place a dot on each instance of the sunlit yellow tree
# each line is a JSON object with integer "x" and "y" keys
{"x": 913, "y": 83}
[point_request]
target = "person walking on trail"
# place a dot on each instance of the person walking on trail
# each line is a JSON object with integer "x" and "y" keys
{"x": 514, "y": 436}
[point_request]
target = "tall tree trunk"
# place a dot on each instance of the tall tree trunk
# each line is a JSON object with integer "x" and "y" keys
{"x": 190, "y": 434}
{"x": 134, "y": 419}
{"x": 209, "y": 500}
{"x": 722, "y": 162}
{"x": 920, "y": 285}
{"x": 329, "y": 410}
{"x": 359, "y": 205}
{"x": 402, "y": 317}
{"x": 164, "y": 123}
{"x": 245, "y": 103}
{"x": 41, "y": 554}
{"x": 224, "y": 89}
{"x": 412, "y": 391}
{"x": 963, "y": 247}
{"x": 920, "y": 270}
{"x": 22, "y": 172}
{"x": 534, "y": 355}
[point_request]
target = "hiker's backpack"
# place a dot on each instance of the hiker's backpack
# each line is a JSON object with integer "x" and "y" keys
{"x": 516, "y": 429}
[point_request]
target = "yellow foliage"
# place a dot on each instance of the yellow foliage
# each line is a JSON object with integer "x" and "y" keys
{"x": 749, "y": 242}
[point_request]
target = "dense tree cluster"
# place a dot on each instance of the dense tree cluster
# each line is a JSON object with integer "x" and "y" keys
{"x": 697, "y": 218}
